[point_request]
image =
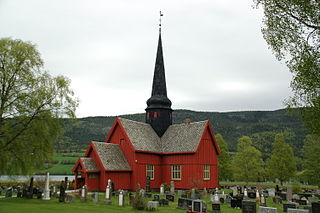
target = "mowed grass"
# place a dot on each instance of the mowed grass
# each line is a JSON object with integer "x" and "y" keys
{"x": 61, "y": 168}
{"x": 19, "y": 205}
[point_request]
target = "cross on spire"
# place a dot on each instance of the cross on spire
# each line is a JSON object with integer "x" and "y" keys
{"x": 161, "y": 14}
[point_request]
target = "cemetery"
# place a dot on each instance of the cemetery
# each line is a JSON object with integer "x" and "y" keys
{"x": 51, "y": 196}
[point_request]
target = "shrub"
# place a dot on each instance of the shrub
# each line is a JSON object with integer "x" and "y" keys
{"x": 138, "y": 202}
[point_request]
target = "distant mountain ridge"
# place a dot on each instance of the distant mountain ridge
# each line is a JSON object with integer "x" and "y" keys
{"x": 232, "y": 125}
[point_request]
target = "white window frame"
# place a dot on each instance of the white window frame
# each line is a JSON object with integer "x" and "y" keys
{"x": 176, "y": 173}
{"x": 150, "y": 171}
{"x": 206, "y": 172}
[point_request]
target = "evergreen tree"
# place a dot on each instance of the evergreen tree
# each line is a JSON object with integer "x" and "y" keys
{"x": 247, "y": 162}
{"x": 224, "y": 165}
{"x": 281, "y": 163}
{"x": 311, "y": 162}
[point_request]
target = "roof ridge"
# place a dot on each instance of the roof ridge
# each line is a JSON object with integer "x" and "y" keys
{"x": 134, "y": 121}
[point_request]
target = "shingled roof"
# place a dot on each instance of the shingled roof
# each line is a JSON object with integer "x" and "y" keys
{"x": 177, "y": 138}
{"x": 111, "y": 156}
{"x": 89, "y": 164}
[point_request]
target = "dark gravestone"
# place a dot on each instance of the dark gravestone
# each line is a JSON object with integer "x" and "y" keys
{"x": 62, "y": 196}
{"x": 30, "y": 189}
{"x": 216, "y": 207}
{"x": 283, "y": 195}
{"x": 148, "y": 194}
{"x": 252, "y": 194}
{"x": 236, "y": 203}
{"x": 302, "y": 202}
{"x": 315, "y": 207}
{"x": 249, "y": 206}
{"x": 183, "y": 203}
{"x": 287, "y": 206}
{"x": 170, "y": 198}
{"x": 156, "y": 197}
{"x": 277, "y": 200}
{"x": 164, "y": 202}
{"x": 39, "y": 193}
{"x": 19, "y": 192}
{"x": 309, "y": 208}
{"x": 196, "y": 206}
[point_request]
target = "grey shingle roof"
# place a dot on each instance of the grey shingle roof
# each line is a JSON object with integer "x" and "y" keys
{"x": 177, "y": 138}
{"x": 111, "y": 156}
{"x": 89, "y": 164}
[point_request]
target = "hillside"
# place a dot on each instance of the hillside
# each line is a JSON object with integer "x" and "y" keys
{"x": 231, "y": 125}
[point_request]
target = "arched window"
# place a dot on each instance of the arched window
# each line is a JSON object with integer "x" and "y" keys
{"x": 155, "y": 114}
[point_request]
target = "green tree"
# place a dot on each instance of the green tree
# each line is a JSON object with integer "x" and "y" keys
{"x": 247, "y": 162}
{"x": 31, "y": 103}
{"x": 281, "y": 164}
{"x": 292, "y": 30}
{"x": 224, "y": 165}
{"x": 311, "y": 162}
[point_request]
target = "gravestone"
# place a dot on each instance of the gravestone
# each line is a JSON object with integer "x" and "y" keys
{"x": 142, "y": 192}
{"x": 228, "y": 199}
{"x": 263, "y": 201}
{"x": 95, "y": 197}
{"x": 69, "y": 198}
{"x": 198, "y": 206}
{"x": 309, "y": 208}
{"x": 205, "y": 192}
{"x": 29, "y": 193}
{"x": 245, "y": 193}
{"x": 180, "y": 192}
{"x": 170, "y": 197}
{"x": 153, "y": 205}
{"x": 249, "y": 206}
{"x": 193, "y": 194}
{"x": 216, "y": 207}
{"x": 271, "y": 192}
{"x": 107, "y": 199}
{"x": 289, "y": 194}
{"x": 164, "y": 202}
{"x": 19, "y": 192}
{"x": 148, "y": 184}
{"x": 265, "y": 193}
{"x": 39, "y": 193}
{"x": 236, "y": 203}
{"x": 121, "y": 198}
{"x": 172, "y": 187}
{"x": 297, "y": 211}
{"x": 183, "y": 203}
{"x": 287, "y": 206}
{"x": 252, "y": 194}
{"x": 161, "y": 189}
{"x": 46, "y": 192}
{"x": 84, "y": 194}
{"x": 156, "y": 197}
{"x": 315, "y": 207}
{"x": 148, "y": 194}
{"x": 277, "y": 200}
{"x": 234, "y": 191}
{"x": 62, "y": 192}
{"x": 263, "y": 209}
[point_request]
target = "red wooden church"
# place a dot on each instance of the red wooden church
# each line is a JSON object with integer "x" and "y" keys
{"x": 185, "y": 153}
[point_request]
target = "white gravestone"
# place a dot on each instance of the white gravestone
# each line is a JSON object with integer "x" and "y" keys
{"x": 161, "y": 189}
{"x": 46, "y": 193}
{"x": 121, "y": 198}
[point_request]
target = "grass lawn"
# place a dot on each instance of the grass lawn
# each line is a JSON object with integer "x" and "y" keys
{"x": 19, "y": 205}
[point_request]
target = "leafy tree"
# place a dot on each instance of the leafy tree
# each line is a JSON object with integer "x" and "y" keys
{"x": 247, "y": 162}
{"x": 281, "y": 163}
{"x": 311, "y": 150}
{"x": 292, "y": 30}
{"x": 31, "y": 101}
{"x": 224, "y": 165}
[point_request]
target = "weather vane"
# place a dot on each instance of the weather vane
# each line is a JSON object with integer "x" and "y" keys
{"x": 161, "y": 14}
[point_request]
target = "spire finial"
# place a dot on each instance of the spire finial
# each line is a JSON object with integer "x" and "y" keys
{"x": 161, "y": 14}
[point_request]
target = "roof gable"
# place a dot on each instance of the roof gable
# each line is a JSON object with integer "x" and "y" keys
{"x": 179, "y": 138}
{"x": 111, "y": 156}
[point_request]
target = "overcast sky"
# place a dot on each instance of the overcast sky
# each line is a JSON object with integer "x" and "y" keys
{"x": 215, "y": 56}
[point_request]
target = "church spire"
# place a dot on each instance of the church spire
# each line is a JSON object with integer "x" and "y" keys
{"x": 159, "y": 112}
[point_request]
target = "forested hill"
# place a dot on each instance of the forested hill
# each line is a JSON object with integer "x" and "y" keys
{"x": 261, "y": 126}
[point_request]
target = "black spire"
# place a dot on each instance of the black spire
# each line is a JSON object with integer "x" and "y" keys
{"x": 159, "y": 112}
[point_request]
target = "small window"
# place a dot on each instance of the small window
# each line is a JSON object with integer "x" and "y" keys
{"x": 148, "y": 115}
{"x": 150, "y": 171}
{"x": 155, "y": 114}
{"x": 176, "y": 172}
{"x": 206, "y": 172}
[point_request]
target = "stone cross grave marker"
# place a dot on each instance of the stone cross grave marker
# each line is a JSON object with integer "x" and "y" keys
{"x": 84, "y": 194}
